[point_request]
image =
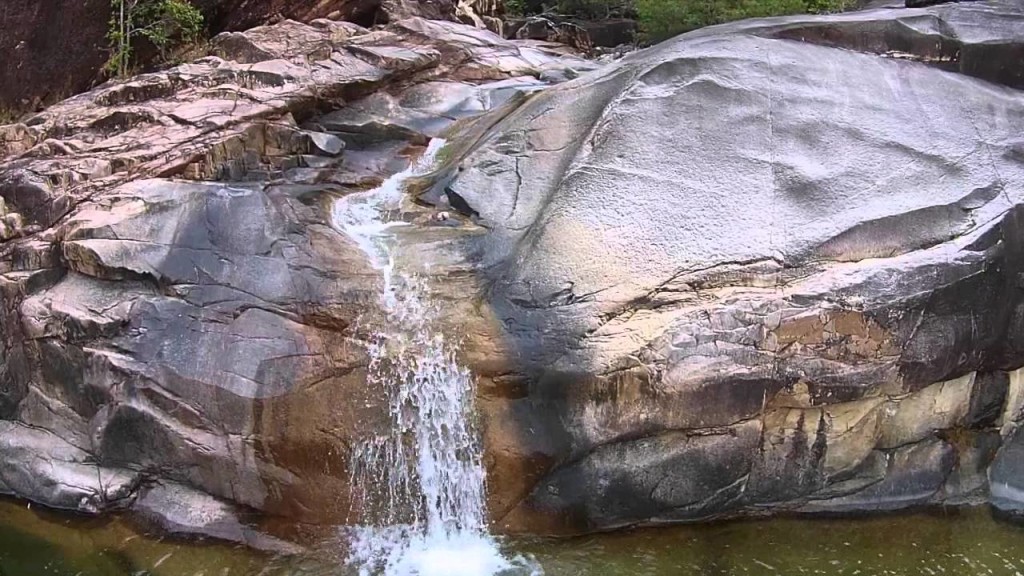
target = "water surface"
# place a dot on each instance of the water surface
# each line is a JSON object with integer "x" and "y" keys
{"x": 35, "y": 542}
{"x": 38, "y": 542}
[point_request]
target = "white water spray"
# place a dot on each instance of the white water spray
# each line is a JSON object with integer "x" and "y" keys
{"x": 423, "y": 485}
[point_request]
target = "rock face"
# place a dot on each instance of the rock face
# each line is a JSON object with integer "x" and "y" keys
{"x": 53, "y": 50}
{"x": 773, "y": 265}
{"x": 179, "y": 326}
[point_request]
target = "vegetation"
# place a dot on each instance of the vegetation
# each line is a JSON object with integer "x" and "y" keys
{"x": 595, "y": 9}
{"x": 164, "y": 24}
{"x": 661, "y": 19}
{"x": 515, "y": 7}
{"x": 8, "y": 116}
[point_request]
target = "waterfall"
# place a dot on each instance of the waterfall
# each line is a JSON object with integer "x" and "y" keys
{"x": 422, "y": 486}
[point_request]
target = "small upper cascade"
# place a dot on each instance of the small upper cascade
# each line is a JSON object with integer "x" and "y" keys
{"x": 423, "y": 484}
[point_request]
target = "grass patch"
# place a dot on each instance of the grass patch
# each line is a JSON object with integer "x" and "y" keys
{"x": 9, "y": 116}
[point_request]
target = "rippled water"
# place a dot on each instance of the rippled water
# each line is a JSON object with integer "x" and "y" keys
{"x": 966, "y": 543}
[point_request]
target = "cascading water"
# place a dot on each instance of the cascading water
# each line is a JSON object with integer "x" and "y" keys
{"x": 423, "y": 485}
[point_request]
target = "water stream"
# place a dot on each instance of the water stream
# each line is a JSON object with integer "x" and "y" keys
{"x": 422, "y": 486}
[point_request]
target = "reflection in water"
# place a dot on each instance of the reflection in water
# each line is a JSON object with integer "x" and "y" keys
{"x": 37, "y": 542}
{"x": 967, "y": 543}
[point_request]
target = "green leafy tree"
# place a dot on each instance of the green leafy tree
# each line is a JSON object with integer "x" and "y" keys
{"x": 594, "y": 9}
{"x": 661, "y": 19}
{"x": 515, "y": 7}
{"x": 164, "y": 23}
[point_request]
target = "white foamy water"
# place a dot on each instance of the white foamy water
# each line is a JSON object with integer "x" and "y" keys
{"x": 422, "y": 486}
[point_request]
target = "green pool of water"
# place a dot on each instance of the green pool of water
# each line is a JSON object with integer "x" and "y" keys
{"x": 35, "y": 542}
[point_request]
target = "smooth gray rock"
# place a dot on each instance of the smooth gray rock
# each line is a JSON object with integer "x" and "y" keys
{"x": 981, "y": 39}
{"x": 673, "y": 476}
{"x": 913, "y": 477}
{"x": 754, "y": 222}
{"x": 187, "y": 311}
{"x": 987, "y": 400}
{"x": 325, "y": 144}
{"x": 179, "y": 511}
{"x": 38, "y": 465}
{"x": 1006, "y": 476}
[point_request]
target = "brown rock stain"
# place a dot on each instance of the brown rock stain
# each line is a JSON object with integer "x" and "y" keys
{"x": 303, "y": 440}
{"x": 846, "y": 335}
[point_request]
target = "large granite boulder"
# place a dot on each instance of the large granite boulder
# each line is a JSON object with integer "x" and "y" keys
{"x": 51, "y": 50}
{"x": 773, "y": 265}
